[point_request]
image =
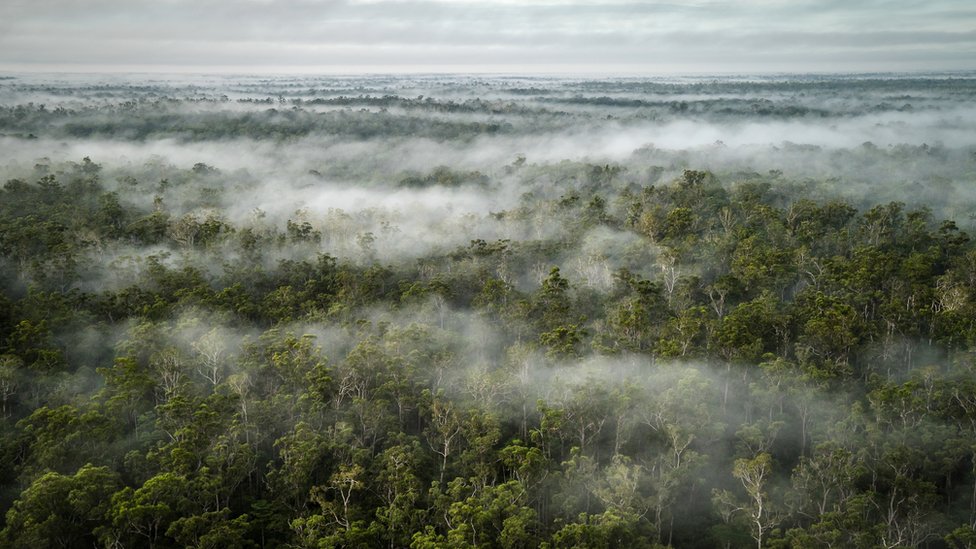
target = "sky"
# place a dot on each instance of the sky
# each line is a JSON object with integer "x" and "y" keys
{"x": 496, "y": 36}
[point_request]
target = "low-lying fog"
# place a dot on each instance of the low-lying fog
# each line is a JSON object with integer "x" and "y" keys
{"x": 379, "y": 148}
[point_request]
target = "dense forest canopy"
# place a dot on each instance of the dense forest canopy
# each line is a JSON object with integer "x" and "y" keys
{"x": 487, "y": 311}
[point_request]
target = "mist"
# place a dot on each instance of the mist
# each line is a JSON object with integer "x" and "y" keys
{"x": 350, "y": 310}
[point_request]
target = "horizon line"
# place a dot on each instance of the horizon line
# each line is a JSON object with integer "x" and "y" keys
{"x": 619, "y": 71}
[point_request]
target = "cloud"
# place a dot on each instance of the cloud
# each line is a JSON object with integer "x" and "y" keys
{"x": 756, "y": 35}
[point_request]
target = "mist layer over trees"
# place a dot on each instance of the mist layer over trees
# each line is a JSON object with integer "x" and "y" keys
{"x": 487, "y": 312}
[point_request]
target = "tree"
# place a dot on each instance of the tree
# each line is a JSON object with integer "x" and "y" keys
{"x": 211, "y": 530}
{"x": 147, "y": 512}
{"x": 495, "y": 517}
{"x": 10, "y": 381}
{"x": 300, "y": 453}
{"x": 444, "y": 431}
{"x": 61, "y": 510}
{"x": 400, "y": 491}
{"x": 607, "y": 530}
{"x": 754, "y": 475}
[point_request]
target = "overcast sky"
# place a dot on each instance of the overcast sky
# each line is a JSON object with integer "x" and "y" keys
{"x": 539, "y": 36}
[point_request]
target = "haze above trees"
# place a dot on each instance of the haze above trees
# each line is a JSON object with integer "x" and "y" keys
{"x": 487, "y": 312}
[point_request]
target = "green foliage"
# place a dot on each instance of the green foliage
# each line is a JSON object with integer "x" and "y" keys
{"x": 61, "y": 510}
{"x": 626, "y": 354}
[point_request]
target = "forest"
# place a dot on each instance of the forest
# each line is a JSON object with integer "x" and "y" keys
{"x": 486, "y": 311}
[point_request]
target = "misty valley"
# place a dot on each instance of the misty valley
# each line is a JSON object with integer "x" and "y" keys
{"x": 439, "y": 311}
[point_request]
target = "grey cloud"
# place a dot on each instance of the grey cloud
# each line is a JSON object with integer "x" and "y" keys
{"x": 698, "y": 36}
